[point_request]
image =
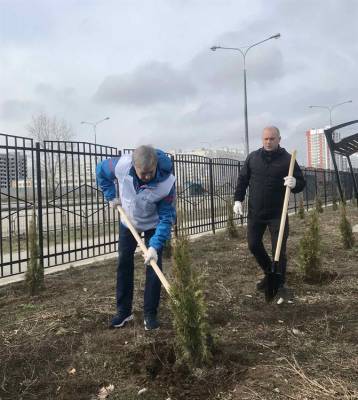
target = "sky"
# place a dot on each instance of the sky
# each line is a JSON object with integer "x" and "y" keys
{"x": 147, "y": 65}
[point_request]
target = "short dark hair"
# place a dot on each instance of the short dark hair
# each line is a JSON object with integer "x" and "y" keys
{"x": 145, "y": 157}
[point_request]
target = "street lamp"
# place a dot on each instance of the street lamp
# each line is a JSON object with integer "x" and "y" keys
{"x": 330, "y": 108}
{"x": 244, "y": 51}
{"x": 94, "y": 126}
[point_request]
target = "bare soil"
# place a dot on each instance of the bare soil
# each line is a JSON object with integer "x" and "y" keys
{"x": 58, "y": 345}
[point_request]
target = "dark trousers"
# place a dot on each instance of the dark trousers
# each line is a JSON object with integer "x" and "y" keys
{"x": 125, "y": 275}
{"x": 255, "y": 231}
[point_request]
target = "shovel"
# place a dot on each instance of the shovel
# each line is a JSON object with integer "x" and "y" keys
{"x": 144, "y": 249}
{"x": 274, "y": 276}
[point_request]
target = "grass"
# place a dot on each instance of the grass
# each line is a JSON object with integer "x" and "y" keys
{"x": 262, "y": 351}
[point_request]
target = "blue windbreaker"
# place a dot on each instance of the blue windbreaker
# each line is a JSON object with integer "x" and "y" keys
{"x": 105, "y": 172}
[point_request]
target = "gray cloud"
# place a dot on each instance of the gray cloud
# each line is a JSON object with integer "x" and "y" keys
{"x": 149, "y": 84}
{"x": 13, "y": 109}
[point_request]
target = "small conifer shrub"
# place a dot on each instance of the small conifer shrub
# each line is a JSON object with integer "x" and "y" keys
{"x": 301, "y": 209}
{"x": 231, "y": 228}
{"x": 346, "y": 229}
{"x": 334, "y": 203}
{"x": 318, "y": 204}
{"x": 188, "y": 308}
{"x": 310, "y": 250}
{"x": 35, "y": 272}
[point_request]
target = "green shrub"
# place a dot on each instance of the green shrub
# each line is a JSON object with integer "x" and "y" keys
{"x": 301, "y": 209}
{"x": 35, "y": 272}
{"x": 310, "y": 250}
{"x": 334, "y": 203}
{"x": 188, "y": 308}
{"x": 346, "y": 229}
{"x": 167, "y": 249}
{"x": 318, "y": 204}
{"x": 231, "y": 229}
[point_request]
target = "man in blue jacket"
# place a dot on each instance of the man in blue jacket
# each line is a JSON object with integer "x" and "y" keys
{"x": 147, "y": 195}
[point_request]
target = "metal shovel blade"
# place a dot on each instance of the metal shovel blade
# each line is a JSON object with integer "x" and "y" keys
{"x": 274, "y": 278}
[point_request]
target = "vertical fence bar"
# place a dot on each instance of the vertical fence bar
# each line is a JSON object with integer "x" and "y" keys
{"x": 39, "y": 203}
{"x": 68, "y": 226}
{"x": 17, "y": 212}
{"x": 48, "y": 232}
{"x": 325, "y": 188}
{"x": 212, "y": 195}
{"x": 8, "y": 182}
{"x": 61, "y": 203}
{"x": 74, "y": 201}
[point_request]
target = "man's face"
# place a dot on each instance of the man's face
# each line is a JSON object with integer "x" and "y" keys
{"x": 270, "y": 139}
{"x": 145, "y": 175}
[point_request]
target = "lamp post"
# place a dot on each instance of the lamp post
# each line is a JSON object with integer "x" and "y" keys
{"x": 331, "y": 108}
{"x": 244, "y": 51}
{"x": 94, "y": 126}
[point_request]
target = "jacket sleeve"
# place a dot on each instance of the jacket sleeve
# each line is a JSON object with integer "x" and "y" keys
{"x": 106, "y": 177}
{"x": 243, "y": 181}
{"x": 167, "y": 215}
{"x": 300, "y": 180}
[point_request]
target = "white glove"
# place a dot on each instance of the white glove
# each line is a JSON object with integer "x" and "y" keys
{"x": 290, "y": 181}
{"x": 151, "y": 255}
{"x": 238, "y": 208}
{"x": 115, "y": 202}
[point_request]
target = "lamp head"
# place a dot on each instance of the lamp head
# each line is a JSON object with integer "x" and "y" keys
{"x": 276, "y": 36}
{"x": 213, "y": 48}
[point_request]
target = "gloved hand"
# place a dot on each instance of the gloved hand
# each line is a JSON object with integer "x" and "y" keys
{"x": 290, "y": 181}
{"x": 151, "y": 255}
{"x": 238, "y": 208}
{"x": 115, "y": 202}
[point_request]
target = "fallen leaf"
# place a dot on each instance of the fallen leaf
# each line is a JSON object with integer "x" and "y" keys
{"x": 71, "y": 371}
{"x": 141, "y": 391}
{"x": 104, "y": 392}
{"x": 297, "y": 332}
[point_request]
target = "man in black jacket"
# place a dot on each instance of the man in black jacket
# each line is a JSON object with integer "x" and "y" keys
{"x": 265, "y": 173}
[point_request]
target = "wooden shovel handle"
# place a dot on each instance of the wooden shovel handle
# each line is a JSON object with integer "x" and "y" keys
{"x": 284, "y": 209}
{"x": 144, "y": 249}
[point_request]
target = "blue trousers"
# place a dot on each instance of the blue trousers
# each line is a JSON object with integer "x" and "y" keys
{"x": 125, "y": 274}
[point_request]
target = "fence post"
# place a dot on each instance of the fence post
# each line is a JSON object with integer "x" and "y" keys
{"x": 39, "y": 203}
{"x": 325, "y": 187}
{"x": 212, "y": 195}
{"x": 176, "y": 185}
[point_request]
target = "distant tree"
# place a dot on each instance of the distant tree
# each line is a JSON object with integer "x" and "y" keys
{"x": 45, "y": 128}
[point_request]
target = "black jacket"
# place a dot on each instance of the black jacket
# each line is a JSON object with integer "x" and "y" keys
{"x": 263, "y": 173}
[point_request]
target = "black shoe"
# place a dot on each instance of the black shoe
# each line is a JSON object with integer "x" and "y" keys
{"x": 261, "y": 285}
{"x": 120, "y": 320}
{"x": 150, "y": 322}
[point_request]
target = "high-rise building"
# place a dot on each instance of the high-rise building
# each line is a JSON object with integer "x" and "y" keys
{"x": 318, "y": 153}
{"x": 12, "y": 167}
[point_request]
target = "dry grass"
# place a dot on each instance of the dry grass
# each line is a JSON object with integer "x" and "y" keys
{"x": 57, "y": 345}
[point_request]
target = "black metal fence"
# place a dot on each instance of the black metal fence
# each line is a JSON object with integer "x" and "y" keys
{"x": 58, "y": 180}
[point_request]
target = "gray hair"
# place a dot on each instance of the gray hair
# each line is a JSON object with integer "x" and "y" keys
{"x": 274, "y": 129}
{"x": 145, "y": 157}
